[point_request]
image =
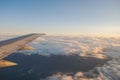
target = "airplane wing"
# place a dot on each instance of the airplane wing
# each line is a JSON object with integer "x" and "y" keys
{"x": 7, "y": 47}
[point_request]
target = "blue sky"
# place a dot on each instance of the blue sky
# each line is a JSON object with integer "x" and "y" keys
{"x": 59, "y": 16}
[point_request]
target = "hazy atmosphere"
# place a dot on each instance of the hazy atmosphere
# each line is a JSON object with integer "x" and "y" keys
{"x": 60, "y": 16}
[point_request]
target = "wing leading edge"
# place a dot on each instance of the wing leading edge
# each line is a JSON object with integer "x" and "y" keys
{"x": 7, "y": 47}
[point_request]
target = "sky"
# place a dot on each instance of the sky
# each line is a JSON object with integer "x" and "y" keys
{"x": 60, "y": 16}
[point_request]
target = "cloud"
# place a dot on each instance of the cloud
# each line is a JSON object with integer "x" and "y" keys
{"x": 99, "y": 47}
{"x": 59, "y": 76}
{"x": 85, "y": 46}
{"x": 77, "y": 76}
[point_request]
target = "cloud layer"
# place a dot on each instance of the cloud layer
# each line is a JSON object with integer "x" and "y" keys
{"x": 92, "y": 46}
{"x": 86, "y": 46}
{"x": 99, "y": 47}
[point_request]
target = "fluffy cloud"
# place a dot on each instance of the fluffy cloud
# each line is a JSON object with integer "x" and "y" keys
{"x": 98, "y": 47}
{"x": 87, "y": 46}
{"x": 83, "y": 45}
{"x": 77, "y": 76}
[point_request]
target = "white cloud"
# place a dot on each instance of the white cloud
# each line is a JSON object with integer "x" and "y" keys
{"x": 81, "y": 45}
{"x": 98, "y": 47}
{"x": 77, "y": 76}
